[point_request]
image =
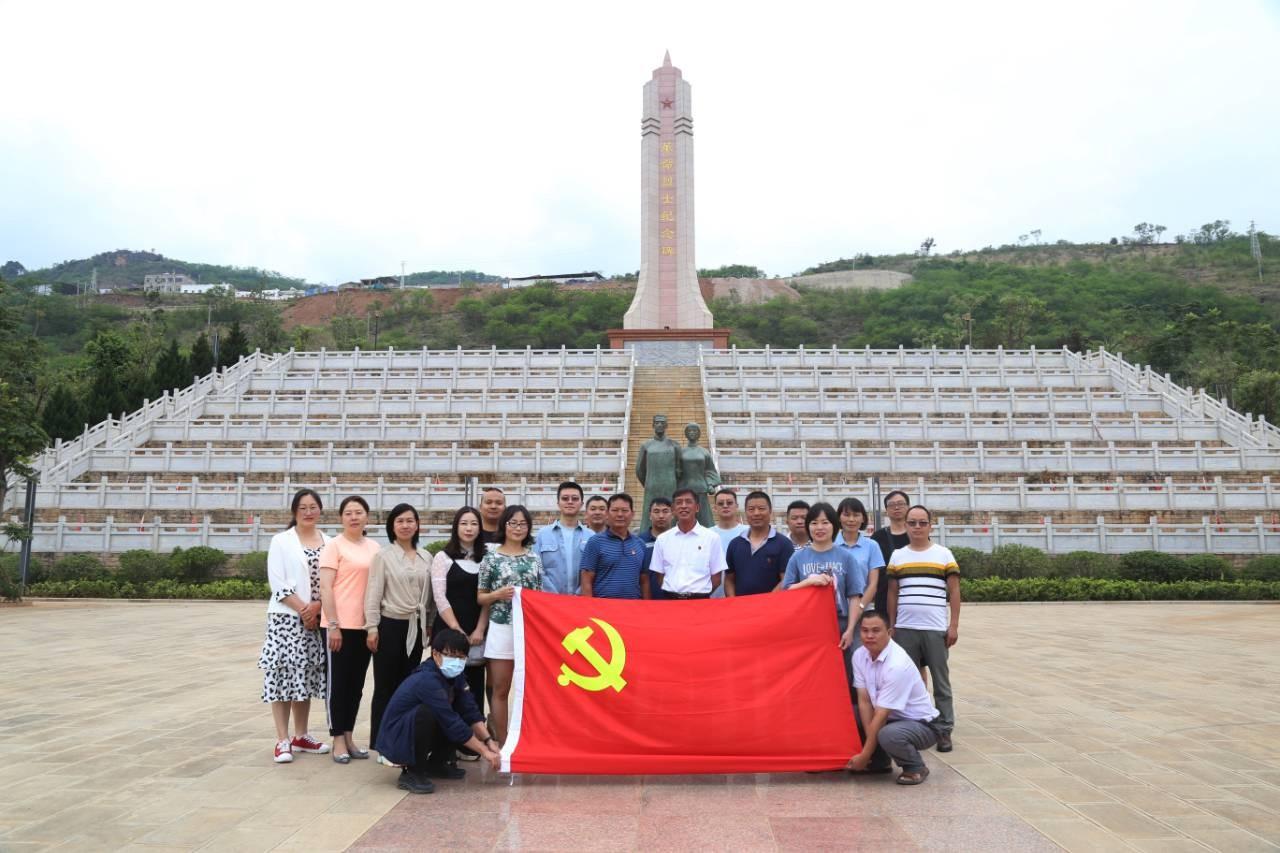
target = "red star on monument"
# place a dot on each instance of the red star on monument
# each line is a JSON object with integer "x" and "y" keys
{"x": 666, "y": 103}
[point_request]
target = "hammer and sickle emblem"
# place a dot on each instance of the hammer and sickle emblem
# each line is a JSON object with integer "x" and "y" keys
{"x": 609, "y": 672}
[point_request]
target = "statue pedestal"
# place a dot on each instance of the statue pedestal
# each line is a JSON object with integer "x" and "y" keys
{"x": 667, "y": 346}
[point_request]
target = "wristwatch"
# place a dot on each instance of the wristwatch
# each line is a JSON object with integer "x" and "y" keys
{"x": 333, "y": 623}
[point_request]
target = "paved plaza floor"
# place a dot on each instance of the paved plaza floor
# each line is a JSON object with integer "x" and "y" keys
{"x": 1085, "y": 726}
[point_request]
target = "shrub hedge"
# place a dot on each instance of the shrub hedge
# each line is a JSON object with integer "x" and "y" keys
{"x": 1103, "y": 589}
{"x": 224, "y": 589}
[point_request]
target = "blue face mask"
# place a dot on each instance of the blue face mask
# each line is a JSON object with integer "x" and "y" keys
{"x": 452, "y": 667}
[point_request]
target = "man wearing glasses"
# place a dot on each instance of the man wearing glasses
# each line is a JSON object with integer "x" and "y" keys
{"x": 924, "y": 610}
{"x": 890, "y": 538}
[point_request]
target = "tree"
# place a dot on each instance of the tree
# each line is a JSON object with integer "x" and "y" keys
{"x": 172, "y": 369}
{"x": 20, "y": 434}
{"x": 1258, "y": 391}
{"x": 926, "y": 246}
{"x": 1017, "y": 313}
{"x": 234, "y": 347}
{"x": 732, "y": 271}
{"x": 63, "y": 415}
{"x": 108, "y": 356}
{"x": 200, "y": 361}
{"x": 1212, "y": 232}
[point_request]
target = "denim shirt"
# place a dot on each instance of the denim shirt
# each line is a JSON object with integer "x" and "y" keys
{"x": 560, "y": 549}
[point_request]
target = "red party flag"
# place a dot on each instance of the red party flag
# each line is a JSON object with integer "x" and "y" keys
{"x": 752, "y": 684}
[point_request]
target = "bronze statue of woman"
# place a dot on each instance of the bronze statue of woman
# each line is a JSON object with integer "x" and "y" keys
{"x": 698, "y": 472}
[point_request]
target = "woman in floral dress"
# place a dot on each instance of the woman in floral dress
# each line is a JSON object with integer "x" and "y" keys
{"x": 293, "y": 654}
{"x": 505, "y": 567}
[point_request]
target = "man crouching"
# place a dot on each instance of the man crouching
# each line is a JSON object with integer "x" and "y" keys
{"x": 894, "y": 708}
{"x": 431, "y": 714}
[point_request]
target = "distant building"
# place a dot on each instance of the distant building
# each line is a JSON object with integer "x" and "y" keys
{"x": 194, "y": 289}
{"x": 166, "y": 282}
{"x": 562, "y": 278}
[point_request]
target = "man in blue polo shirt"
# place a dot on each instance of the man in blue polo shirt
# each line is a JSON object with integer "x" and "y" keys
{"x": 613, "y": 561}
{"x": 660, "y": 521}
{"x": 757, "y": 557}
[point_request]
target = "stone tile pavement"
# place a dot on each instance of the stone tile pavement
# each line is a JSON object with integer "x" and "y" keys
{"x": 1093, "y": 727}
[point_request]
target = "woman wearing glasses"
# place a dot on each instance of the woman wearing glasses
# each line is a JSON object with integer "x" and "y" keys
{"x": 924, "y": 610}
{"x": 504, "y": 568}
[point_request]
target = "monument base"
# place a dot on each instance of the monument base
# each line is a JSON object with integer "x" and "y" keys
{"x": 667, "y": 346}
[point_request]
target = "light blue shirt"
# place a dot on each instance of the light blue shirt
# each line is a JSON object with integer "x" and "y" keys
{"x": 560, "y": 549}
{"x": 866, "y": 556}
{"x": 727, "y": 536}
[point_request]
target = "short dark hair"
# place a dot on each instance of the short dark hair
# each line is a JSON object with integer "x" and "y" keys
{"x": 595, "y": 498}
{"x": 450, "y": 640}
{"x": 568, "y": 484}
{"x": 660, "y": 501}
{"x": 875, "y": 614}
{"x": 758, "y": 495}
{"x": 297, "y": 499}
{"x": 493, "y": 489}
{"x": 794, "y": 505}
{"x": 397, "y": 511}
{"x": 727, "y": 491}
{"x": 853, "y": 505}
{"x": 906, "y": 497}
{"x": 823, "y": 509}
{"x": 686, "y": 491}
{"x": 454, "y": 549}
{"x": 353, "y": 499}
{"x": 509, "y": 513}
{"x": 622, "y": 496}
{"x": 927, "y": 514}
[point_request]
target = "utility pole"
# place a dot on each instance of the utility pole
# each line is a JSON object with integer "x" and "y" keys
{"x": 968, "y": 321}
{"x": 402, "y": 275}
{"x": 1255, "y": 248}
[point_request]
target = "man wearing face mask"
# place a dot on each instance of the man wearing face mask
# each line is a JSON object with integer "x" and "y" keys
{"x": 431, "y": 714}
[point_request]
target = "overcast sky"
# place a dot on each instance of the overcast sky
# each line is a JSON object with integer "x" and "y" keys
{"x": 505, "y": 136}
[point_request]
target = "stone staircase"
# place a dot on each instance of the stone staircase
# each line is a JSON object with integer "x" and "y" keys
{"x": 672, "y": 391}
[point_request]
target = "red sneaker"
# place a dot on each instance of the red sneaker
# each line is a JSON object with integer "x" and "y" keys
{"x": 306, "y": 743}
{"x": 284, "y": 754}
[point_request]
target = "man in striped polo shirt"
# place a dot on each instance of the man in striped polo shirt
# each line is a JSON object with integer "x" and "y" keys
{"x": 924, "y": 610}
{"x": 613, "y": 560}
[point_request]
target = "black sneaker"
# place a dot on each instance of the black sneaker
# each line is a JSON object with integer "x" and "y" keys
{"x": 944, "y": 742}
{"x": 465, "y": 754}
{"x": 445, "y": 771}
{"x": 415, "y": 783}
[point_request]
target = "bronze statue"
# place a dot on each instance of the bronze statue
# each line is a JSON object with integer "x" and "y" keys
{"x": 657, "y": 466}
{"x": 698, "y": 472}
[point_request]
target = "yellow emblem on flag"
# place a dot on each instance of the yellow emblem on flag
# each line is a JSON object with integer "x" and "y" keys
{"x": 608, "y": 672}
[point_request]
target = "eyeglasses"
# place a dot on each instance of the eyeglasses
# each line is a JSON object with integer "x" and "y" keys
{"x": 516, "y": 523}
{"x": 915, "y": 522}
{"x": 895, "y": 504}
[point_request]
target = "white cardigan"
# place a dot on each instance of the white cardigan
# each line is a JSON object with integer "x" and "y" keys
{"x": 287, "y": 569}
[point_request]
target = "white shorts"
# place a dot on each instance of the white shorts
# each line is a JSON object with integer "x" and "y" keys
{"x": 500, "y": 643}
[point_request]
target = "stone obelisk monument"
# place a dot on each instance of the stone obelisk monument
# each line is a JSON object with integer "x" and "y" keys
{"x": 668, "y": 318}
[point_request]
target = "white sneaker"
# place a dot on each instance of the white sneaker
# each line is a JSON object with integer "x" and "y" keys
{"x": 382, "y": 759}
{"x": 284, "y": 752}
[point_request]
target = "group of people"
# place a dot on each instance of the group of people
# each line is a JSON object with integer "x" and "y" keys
{"x": 338, "y": 603}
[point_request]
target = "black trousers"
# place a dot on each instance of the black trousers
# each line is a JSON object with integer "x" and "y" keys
{"x": 391, "y": 665}
{"x": 475, "y": 682}
{"x": 347, "y": 668}
{"x": 430, "y": 747}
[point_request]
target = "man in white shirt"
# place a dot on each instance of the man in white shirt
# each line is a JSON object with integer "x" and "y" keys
{"x": 688, "y": 558}
{"x": 896, "y": 718}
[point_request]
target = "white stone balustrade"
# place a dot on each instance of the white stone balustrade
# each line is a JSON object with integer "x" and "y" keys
{"x": 838, "y": 379}
{"x": 307, "y": 403}
{"x": 346, "y": 427}
{"x": 935, "y": 401}
{"x": 427, "y": 494}
{"x": 940, "y": 459}
{"x": 929, "y": 427}
{"x": 1069, "y": 495}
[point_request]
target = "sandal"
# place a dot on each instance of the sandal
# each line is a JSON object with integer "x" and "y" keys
{"x": 914, "y": 777}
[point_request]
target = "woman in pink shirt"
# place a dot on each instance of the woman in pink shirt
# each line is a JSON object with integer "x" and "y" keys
{"x": 344, "y": 576}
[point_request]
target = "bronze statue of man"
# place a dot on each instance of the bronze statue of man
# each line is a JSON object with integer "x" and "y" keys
{"x": 658, "y": 466}
{"x": 698, "y": 472}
